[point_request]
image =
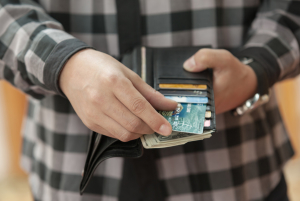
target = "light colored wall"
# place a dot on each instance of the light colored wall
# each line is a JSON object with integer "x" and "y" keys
{"x": 4, "y": 151}
{"x": 288, "y": 95}
{"x": 15, "y": 106}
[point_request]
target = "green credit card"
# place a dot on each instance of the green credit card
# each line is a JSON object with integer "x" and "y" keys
{"x": 188, "y": 117}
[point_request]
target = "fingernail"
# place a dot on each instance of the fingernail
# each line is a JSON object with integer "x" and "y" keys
{"x": 189, "y": 64}
{"x": 164, "y": 130}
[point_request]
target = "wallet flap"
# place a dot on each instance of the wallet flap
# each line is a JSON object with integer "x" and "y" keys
{"x": 108, "y": 148}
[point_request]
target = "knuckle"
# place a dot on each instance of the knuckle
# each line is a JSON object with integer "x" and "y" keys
{"x": 202, "y": 51}
{"x": 227, "y": 55}
{"x": 134, "y": 125}
{"x": 110, "y": 79}
{"x": 125, "y": 136}
{"x": 94, "y": 97}
{"x": 138, "y": 105}
{"x": 204, "y": 56}
{"x": 135, "y": 76}
{"x": 225, "y": 52}
{"x": 204, "y": 59}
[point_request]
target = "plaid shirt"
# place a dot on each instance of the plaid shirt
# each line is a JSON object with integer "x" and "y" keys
{"x": 242, "y": 161}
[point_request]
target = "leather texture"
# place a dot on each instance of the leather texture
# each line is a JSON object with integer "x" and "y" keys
{"x": 163, "y": 65}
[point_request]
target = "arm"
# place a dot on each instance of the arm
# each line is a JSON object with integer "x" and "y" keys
{"x": 33, "y": 48}
{"x": 273, "y": 43}
{"x": 36, "y": 55}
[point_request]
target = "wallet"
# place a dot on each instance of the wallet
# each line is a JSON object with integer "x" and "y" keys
{"x": 156, "y": 66}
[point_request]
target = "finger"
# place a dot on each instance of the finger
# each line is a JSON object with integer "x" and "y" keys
{"x": 155, "y": 98}
{"x": 138, "y": 105}
{"x": 115, "y": 129}
{"x": 100, "y": 130}
{"x": 118, "y": 112}
{"x": 207, "y": 58}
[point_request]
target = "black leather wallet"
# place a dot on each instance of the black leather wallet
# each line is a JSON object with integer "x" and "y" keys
{"x": 155, "y": 66}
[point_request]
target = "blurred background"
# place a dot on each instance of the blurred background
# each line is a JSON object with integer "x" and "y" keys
{"x": 13, "y": 181}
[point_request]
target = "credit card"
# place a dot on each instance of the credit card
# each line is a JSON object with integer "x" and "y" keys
{"x": 188, "y": 99}
{"x": 208, "y": 114}
{"x": 200, "y": 93}
{"x": 207, "y": 123}
{"x": 187, "y": 117}
{"x": 183, "y": 86}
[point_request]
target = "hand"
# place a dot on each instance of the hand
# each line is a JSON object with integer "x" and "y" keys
{"x": 111, "y": 99}
{"x": 234, "y": 82}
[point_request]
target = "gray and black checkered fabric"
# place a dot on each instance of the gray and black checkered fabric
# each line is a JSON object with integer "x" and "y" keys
{"x": 242, "y": 161}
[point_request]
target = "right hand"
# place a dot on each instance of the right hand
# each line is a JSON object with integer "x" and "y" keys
{"x": 111, "y": 99}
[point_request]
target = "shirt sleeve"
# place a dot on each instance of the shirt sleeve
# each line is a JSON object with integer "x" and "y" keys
{"x": 273, "y": 42}
{"x": 33, "y": 48}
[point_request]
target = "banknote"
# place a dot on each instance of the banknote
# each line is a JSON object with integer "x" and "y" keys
{"x": 187, "y": 117}
{"x": 176, "y": 138}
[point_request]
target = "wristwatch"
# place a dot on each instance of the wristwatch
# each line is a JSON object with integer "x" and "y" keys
{"x": 253, "y": 102}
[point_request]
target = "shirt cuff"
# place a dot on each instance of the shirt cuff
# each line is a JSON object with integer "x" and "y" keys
{"x": 55, "y": 62}
{"x": 264, "y": 65}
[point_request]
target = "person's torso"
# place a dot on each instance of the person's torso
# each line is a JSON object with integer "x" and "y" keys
{"x": 241, "y": 161}
{"x": 219, "y": 23}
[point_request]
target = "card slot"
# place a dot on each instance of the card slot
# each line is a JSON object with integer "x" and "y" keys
{"x": 209, "y": 129}
{"x": 213, "y": 114}
{"x": 209, "y": 103}
{"x": 177, "y": 86}
{"x": 180, "y": 89}
{"x": 180, "y": 78}
{"x": 194, "y": 93}
{"x": 184, "y": 81}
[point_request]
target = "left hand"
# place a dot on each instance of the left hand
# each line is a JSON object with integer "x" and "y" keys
{"x": 234, "y": 82}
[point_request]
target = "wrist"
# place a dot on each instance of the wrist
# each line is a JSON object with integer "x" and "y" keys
{"x": 256, "y": 99}
{"x": 70, "y": 68}
{"x": 250, "y": 83}
{"x": 265, "y": 66}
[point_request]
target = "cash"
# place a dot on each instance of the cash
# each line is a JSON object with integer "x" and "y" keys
{"x": 187, "y": 124}
{"x": 176, "y": 138}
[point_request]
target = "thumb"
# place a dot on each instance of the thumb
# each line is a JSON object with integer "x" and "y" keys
{"x": 190, "y": 65}
{"x": 206, "y": 58}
